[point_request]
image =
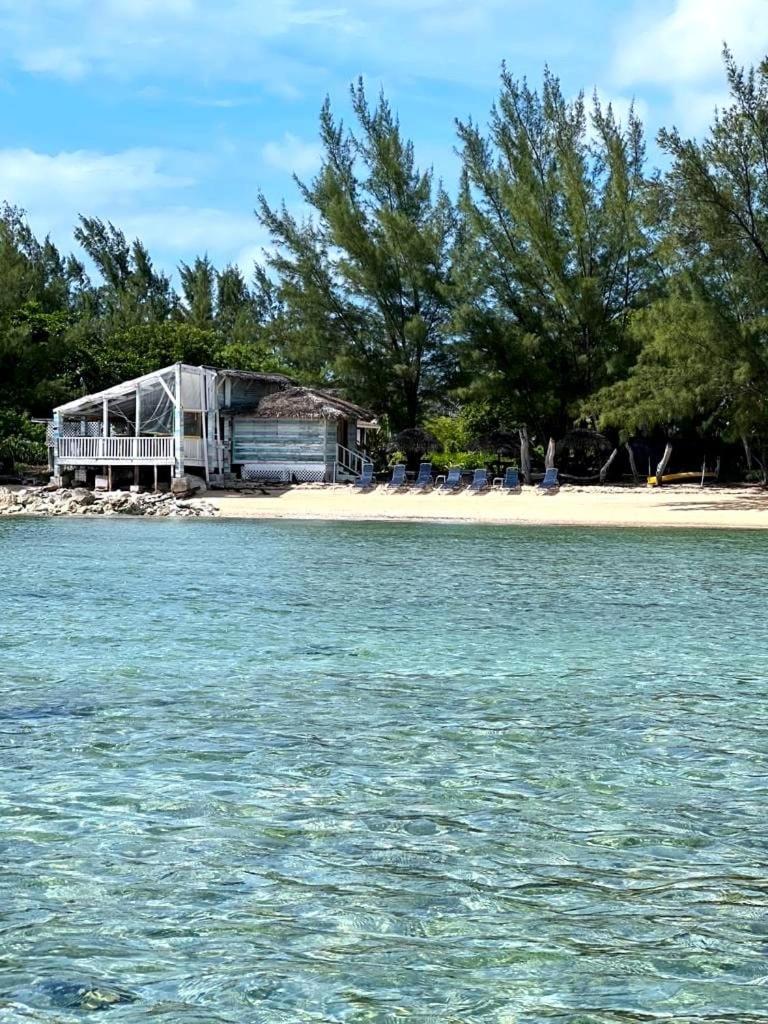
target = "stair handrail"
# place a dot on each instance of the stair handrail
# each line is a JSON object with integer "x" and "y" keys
{"x": 350, "y": 460}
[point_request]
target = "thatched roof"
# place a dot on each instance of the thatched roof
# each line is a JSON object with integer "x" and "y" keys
{"x": 299, "y": 403}
{"x": 582, "y": 440}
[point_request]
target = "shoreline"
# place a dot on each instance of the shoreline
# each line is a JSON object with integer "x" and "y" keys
{"x": 677, "y": 507}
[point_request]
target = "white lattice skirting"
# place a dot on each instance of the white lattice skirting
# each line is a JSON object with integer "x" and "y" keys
{"x": 303, "y": 472}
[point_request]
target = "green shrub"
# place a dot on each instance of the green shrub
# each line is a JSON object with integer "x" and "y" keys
{"x": 21, "y": 440}
{"x": 451, "y": 432}
{"x": 394, "y": 458}
{"x": 443, "y": 461}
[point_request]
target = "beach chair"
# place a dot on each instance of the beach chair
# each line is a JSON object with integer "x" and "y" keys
{"x": 398, "y": 481}
{"x": 424, "y": 478}
{"x": 479, "y": 481}
{"x": 365, "y": 480}
{"x": 549, "y": 484}
{"x": 452, "y": 482}
{"x": 510, "y": 482}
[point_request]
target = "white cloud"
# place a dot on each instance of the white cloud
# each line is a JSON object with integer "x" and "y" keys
{"x": 293, "y": 155}
{"x": 55, "y": 60}
{"x": 125, "y": 39}
{"x": 83, "y": 179}
{"x": 138, "y": 190}
{"x": 285, "y": 44}
{"x": 621, "y": 105}
{"x": 681, "y": 42}
{"x": 674, "y": 47}
{"x": 193, "y": 230}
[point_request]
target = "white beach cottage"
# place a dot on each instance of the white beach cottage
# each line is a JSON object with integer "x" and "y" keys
{"x": 223, "y": 425}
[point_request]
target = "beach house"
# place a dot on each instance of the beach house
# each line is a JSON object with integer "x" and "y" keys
{"x": 223, "y": 425}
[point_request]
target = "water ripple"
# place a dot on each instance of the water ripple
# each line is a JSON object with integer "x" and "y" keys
{"x": 264, "y": 772}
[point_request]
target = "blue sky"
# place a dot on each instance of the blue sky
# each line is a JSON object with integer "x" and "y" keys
{"x": 168, "y": 116}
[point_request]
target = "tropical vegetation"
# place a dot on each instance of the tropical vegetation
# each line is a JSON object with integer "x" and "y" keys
{"x": 562, "y": 289}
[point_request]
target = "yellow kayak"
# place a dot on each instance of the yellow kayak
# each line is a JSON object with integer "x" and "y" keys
{"x": 671, "y": 478}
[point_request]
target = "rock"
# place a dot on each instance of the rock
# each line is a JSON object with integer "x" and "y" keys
{"x": 41, "y": 501}
{"x": 182, "y": 486}
{"x": 86, "y": 995}
{"x": 82, "y": 496}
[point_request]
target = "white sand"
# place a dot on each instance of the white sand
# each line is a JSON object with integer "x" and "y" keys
{"x": 672, "y": 506}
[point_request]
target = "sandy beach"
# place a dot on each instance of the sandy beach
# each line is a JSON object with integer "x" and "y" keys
{"x": 675, "y": 506}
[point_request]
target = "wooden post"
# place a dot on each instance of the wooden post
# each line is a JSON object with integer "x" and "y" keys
{"x": 109, "y": 477}
{"x": 155, "y": 469}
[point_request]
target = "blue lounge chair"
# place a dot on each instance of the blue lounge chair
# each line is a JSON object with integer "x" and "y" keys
{"x": 510, "y": 483}
{"x": 424, "y": 479}
{"x": 398, "y": 481}
{"x": 365, "y": 479}
{"x": 452, "y": 482}
{"x": 479, "y": 481}
{"x": 549, "y": 484}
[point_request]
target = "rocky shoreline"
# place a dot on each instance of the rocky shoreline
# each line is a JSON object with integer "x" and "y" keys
{"x": 79, "y": 501}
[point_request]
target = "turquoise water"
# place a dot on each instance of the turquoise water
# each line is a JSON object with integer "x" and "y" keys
{"x": 285, "y": 772}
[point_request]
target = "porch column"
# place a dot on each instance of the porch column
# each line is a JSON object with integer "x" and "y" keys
{"x": 138, "y": 419}
{"x": 57, "y": 424}
{"x": 104, "y": 425}
{"x": 204, "y": 424}
{"x": 178, "y": 426}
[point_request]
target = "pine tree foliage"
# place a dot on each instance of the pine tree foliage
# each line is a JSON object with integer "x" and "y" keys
{"x": 704, "y": 343}
{"x": 366, "y": 275}
{"x": 556, "y": 254}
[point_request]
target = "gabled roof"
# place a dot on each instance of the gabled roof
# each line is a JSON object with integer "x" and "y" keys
{"x": 125, "y": 387}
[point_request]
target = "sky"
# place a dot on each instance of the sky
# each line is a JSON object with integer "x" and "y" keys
{"x": 168, "y": 117}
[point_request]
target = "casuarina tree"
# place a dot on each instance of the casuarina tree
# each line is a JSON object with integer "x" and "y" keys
{"x": 365, "y": 276}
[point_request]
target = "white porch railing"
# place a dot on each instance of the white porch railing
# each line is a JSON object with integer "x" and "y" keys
{"x": 350, "y": 461}
{"x": 90, "y": 450}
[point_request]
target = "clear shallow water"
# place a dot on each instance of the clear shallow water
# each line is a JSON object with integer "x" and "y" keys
{"x": 281, "y": 772}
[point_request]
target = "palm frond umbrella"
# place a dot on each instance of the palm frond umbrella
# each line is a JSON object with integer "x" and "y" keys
{"x": 415, "y": 442}
{"x": 587, "y": 453}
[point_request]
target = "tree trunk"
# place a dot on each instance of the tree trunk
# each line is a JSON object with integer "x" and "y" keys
{"x": 525, "y": 455}
{"x": 549, "y": 458}
{"x": 607, "y": 465}
{"x": 747, "y": 451}
{"x": 632, "y": 463}
{"x": 663, "y": 464}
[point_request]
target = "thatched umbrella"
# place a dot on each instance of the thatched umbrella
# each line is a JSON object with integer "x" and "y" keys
{"x": 505, "y": 443}
{"x": 588, "y": 451}
{"x": 415, "y": 442}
